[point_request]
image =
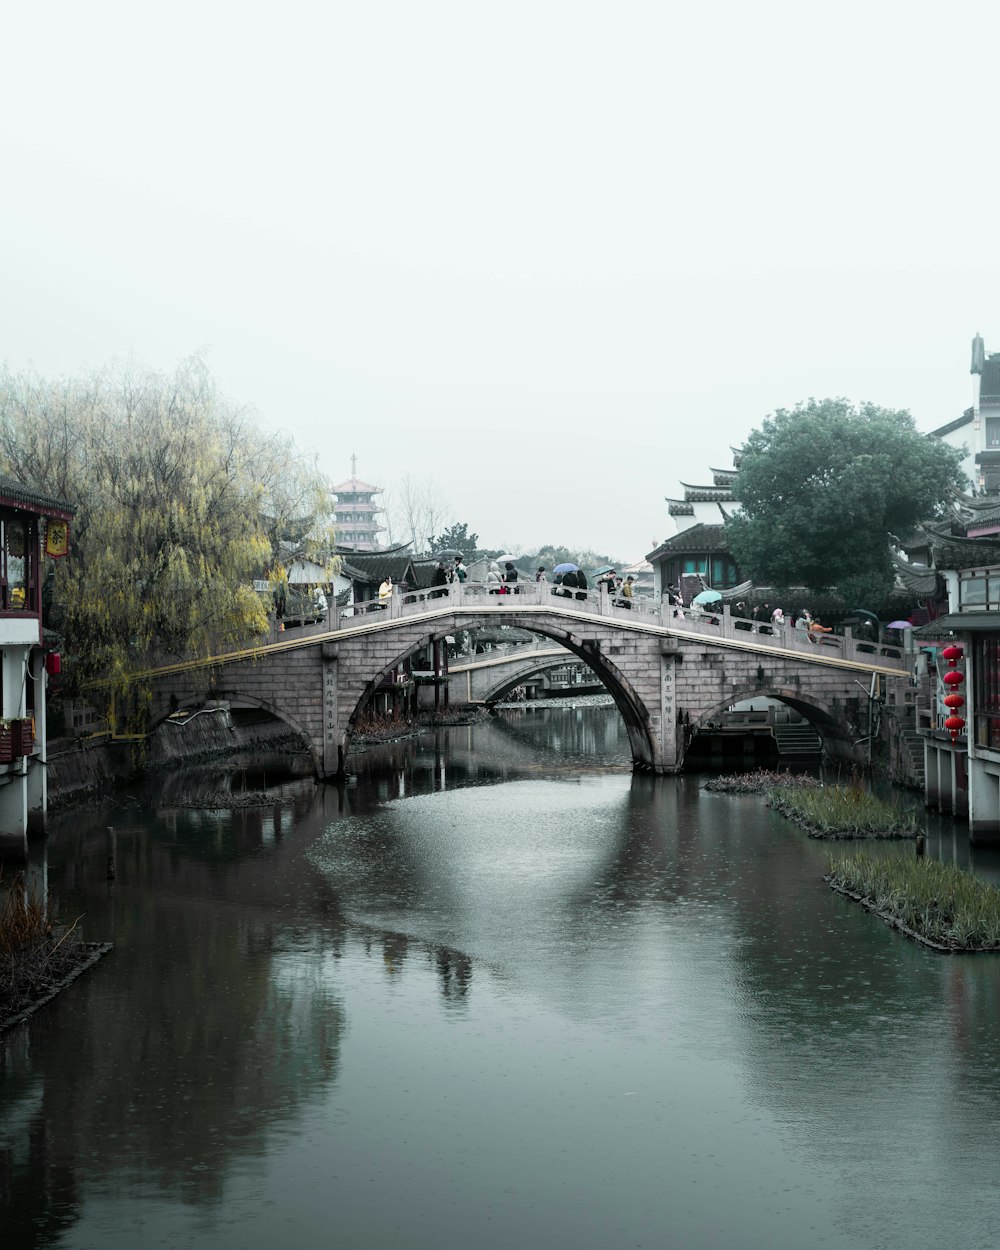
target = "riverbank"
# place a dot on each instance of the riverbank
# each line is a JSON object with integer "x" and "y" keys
{"x": 82, "y": 770}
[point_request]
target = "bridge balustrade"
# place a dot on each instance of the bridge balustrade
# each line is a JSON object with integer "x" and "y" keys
{"x": 643, "y": 609}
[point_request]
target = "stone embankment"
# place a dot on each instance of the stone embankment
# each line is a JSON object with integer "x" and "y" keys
{"x": 83, "y": 769}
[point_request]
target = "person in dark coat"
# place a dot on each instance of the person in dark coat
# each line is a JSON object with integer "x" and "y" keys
{"x": 439, "y": 579}
{"x": 564, "y": 582}
{"x": 510, "y": 578}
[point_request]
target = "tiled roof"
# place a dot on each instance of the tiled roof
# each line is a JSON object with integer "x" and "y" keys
{"x": 960, "y": 622}
{"x": 957, "y": 424}
{"x": 680, "y": 509}
{"x": 989, "y": 383}
{"x": 708, "y": 494}
{"x": 695, "y": 538}
{"x": 987, "y": 521}
{"x": 422, "y": 575}
{"x": 355, "y": 486}
{"x": 372, "y": 567}
{"x": 917, "y": 578}
{"x": 27, "y": 497}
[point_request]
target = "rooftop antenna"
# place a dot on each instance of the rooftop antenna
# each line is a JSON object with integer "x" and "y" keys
{"x": 354, "y": 465}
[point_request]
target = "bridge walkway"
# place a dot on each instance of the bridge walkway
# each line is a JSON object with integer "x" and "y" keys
{"x": 537, "y": 603}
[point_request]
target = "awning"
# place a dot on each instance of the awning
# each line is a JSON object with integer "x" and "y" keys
{"x": 960, "y": 623}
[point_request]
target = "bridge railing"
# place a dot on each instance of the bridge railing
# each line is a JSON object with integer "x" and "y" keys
{"x": 706, "y": 622}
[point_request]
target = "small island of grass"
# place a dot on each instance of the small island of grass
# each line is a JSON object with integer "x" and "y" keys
{"x": 824, "y": 811}
{"x": 844, "y": 812}
{"x": 944, "y": 907}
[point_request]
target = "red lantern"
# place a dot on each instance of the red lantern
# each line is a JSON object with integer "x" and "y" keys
{"x": 953, "y": 678}
{"x": 953, "y": 654}
{"x": 954, "y": 700}
{"x": 53, "y": 663}
{"x": 954, "y": 724}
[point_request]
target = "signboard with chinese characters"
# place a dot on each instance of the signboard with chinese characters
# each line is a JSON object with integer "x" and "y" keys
{"x": 56, "y": 538}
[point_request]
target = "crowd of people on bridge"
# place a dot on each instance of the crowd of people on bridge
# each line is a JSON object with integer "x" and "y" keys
{"x": 572, "y": 583}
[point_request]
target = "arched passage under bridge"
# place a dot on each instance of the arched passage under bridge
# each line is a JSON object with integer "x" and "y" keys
{"x": 662, "y": 678}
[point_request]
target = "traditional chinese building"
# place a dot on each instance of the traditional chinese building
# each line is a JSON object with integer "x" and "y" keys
{"x": 959, "y": 651}
{"x": 697, "y": 555}
{"x": 34, "y": 528}
{"x": 355, "y": 512}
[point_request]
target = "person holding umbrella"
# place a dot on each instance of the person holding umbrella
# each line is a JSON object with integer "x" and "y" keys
{"x": 565, "y": 577}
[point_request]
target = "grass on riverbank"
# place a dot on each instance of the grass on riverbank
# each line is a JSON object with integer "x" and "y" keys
{"x": 937, "y": 903}
{"x": 844, "y": 812}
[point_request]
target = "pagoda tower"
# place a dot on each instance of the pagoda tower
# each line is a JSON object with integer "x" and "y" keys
{"x": 355, "y": 512}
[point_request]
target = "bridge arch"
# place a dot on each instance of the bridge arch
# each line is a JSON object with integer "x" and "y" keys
{"x": 638, "y": 726}
{"x": 664, "y": 679}
{"x": 838, "y": 734}
{"x": 160, "y": 717}
{"x": 520, "y": 673}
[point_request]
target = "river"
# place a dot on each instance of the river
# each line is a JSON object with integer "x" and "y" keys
{"x": 497, "y": 991}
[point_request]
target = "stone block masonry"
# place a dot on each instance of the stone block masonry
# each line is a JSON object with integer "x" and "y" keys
{"x": 665, "y": 682}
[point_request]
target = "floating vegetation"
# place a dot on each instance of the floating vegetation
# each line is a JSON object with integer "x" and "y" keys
{"x": 38, "y": 956}
{"x": 761, "y": 781}
{"x": 209, "y": 800}
{"x": 844, "y": 812}
{"x": 944, "y": 907}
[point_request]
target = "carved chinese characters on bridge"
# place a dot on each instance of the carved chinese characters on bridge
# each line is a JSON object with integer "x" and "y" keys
{"x": 668, "y": 711}
{"x": 329, "y": 705}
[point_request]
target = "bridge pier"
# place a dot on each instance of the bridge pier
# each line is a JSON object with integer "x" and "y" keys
{"x": 333, "y": 739}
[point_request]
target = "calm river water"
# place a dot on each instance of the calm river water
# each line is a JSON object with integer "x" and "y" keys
{"x": 498, "y": 992}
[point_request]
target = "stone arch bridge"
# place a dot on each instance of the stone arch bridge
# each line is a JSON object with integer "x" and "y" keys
{"x": 668, "y": 675}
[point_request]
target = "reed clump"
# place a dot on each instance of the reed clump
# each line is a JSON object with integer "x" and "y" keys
{"x": 939, "y": 904}
{"x": 844, "y": 812}
{"x": 761, "y": 781}
{"x": 35, "y": 951}
{"x": 23, "y": 919}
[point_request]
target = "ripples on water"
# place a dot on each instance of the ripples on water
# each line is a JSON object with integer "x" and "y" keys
{"x": 497, "y": 990}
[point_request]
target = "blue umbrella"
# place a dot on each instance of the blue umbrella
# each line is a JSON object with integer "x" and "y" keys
{"x": 706, "y": 597}
{"x": 566, "y": 568}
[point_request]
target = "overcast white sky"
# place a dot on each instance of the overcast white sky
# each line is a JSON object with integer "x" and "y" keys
{"x": 554, "y": 256}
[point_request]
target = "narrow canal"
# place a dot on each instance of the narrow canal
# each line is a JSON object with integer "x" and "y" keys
{"x": 497, "y": 992}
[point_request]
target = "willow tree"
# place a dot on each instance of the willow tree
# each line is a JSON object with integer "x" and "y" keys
{"x": 179, "y": 495}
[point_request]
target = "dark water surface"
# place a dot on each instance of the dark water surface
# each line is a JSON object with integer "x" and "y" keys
{"x": 498, "y": 992}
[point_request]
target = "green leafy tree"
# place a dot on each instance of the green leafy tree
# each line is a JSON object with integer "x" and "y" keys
{"x": 824, "y": 485}
{"x": 458, "y": 538}
{"x": 181, "y": 501}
